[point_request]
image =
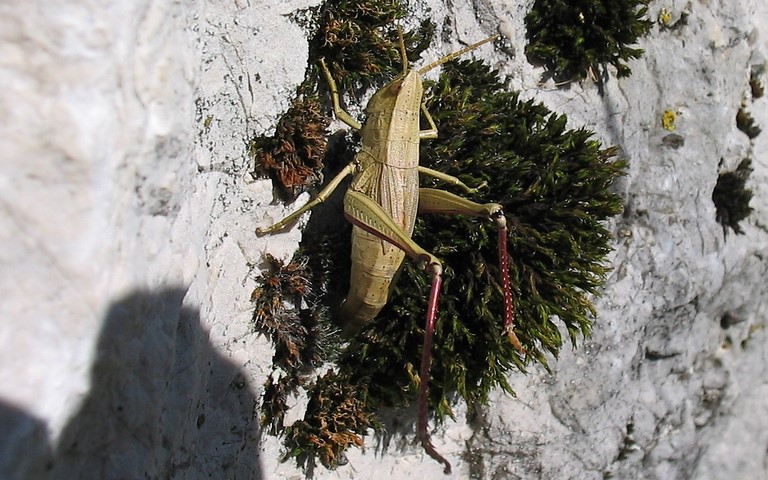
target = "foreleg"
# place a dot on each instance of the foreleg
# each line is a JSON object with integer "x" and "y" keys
{"x": 320, "y": 198}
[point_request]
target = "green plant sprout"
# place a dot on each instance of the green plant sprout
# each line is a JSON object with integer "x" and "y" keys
{"x": 755, "y": 85}
{"x": 665, "y": 17}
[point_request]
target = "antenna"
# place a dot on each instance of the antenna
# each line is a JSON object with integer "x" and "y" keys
{"x": 403, "y": 54}
{"x": 453, "y": 55}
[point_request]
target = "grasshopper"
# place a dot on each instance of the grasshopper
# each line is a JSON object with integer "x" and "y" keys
{"x": 382, "y": 203}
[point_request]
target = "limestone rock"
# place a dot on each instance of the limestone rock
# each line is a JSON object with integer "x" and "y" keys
{"x": 128, "y": 253}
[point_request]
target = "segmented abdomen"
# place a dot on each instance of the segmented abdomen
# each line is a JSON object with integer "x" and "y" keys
{"x": 376, "y": 262}
{"x": 375, "y": 265}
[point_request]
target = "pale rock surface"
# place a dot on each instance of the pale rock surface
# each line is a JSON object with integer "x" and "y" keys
{"x": 128, "y": 254}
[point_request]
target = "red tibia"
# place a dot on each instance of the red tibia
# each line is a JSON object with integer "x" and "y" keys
{"x": 509, "y": 308}
{"x": 426, "y": 362}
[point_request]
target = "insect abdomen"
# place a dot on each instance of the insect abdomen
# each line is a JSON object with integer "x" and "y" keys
{"x": 375, "y": 264}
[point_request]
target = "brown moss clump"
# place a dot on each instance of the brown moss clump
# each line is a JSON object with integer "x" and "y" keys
{"x": 293, "y": 156}
{"x": 337, "y": 417}
{"x": 274, "y": 404}
{"x": 280, "y": 286}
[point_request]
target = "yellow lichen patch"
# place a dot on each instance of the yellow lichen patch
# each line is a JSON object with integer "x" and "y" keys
{"x": 668, "y": 120}
{"x": 665, "y": 16}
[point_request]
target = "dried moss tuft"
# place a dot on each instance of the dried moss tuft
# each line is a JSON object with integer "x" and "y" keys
{"x": 336, "y": 419}
{"x": 293, "y": 156}
{"x": 281, "y": 289}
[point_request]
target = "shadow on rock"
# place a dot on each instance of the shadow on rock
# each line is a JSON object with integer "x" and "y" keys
{"x": 24, "y": 449}
{"x": 163, "y": 403}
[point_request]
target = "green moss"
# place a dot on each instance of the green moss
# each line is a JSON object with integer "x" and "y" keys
{"x": 554, "y": 185}
{"x": 570, "y": 38}
{"x": 732, "y": 198}
{"x": 358, "y": 40}
{"x": 746, "y": 123}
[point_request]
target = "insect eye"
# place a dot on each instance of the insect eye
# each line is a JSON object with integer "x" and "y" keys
{"x": 396, "y": 86}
